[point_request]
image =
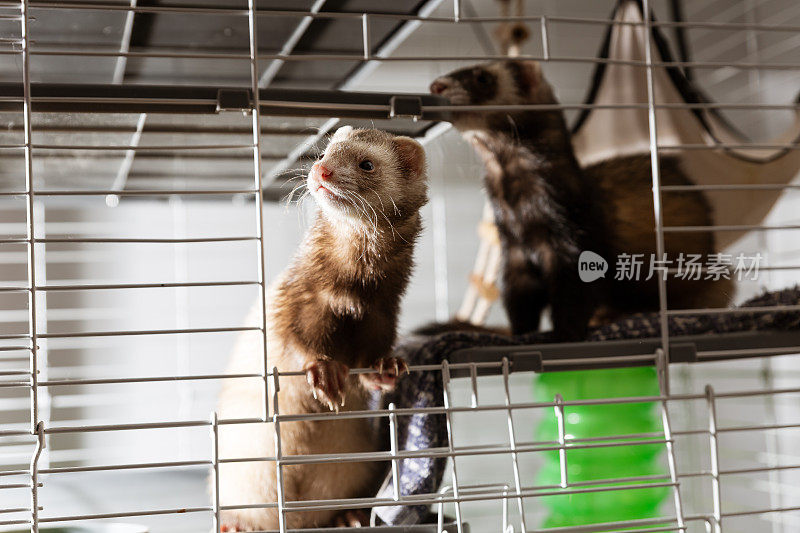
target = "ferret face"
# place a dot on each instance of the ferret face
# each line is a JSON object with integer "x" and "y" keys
{"x": 369, "y": 177}
{"x": 498, "y": 83}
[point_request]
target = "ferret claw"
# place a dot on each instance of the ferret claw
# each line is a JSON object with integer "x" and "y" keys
{"x": 389, "y": 370}
{"x": 398, "y": 363}
{"x": 328, "y": 380}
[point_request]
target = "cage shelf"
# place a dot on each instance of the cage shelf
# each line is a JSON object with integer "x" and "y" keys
{"x": 99, "y": 98}
{"x": 629, "y": 352}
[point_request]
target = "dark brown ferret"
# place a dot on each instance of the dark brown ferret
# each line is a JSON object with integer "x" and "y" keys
{"x": 334, "y": 308}
{"x": 548, "y": 209}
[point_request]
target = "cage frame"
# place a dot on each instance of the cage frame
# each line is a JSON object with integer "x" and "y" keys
{"x": 659, "y": 352}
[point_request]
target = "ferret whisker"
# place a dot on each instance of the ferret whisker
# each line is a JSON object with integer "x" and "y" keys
{"x": 305, "y": 194}
{"x": 374, "y": 222}
{"x": 357, "y": 202}
{"x": 290, "y": 196}
{"x": 383, "y": 211}
{"x": 363, "y": 247}
{"x": 364, "y": 200}
{"x": 378, "y": 196}
{"x": 301, "y": 208}
{"x": 347, "y": 195}
{"x": 298, "y": 176}
{"x": 289, "y": 172}
{"x": 394, "y": 233}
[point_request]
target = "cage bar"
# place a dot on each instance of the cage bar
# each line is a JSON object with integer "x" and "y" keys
{"x": 338, "y": 107}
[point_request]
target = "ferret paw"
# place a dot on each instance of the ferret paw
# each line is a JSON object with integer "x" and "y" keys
{"x": 352, "y": 518}
{"x": 389, "y": 370}
{"x": 327, "y": 379}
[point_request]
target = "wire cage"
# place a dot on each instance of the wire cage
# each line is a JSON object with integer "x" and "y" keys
{"x": 147, "y": 148}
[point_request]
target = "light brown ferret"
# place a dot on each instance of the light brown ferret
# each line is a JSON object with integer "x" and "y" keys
{"x": 334, "y": 308}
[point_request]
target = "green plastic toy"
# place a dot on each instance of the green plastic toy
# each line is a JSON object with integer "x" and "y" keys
{"x": 601, "y": 463}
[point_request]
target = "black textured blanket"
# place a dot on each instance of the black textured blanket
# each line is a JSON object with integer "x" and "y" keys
{"x": 424, "y": 389}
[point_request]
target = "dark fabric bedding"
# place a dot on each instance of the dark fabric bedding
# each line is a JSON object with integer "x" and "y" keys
{"x": 424, "y": 389}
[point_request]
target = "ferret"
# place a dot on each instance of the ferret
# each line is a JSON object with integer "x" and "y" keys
{"x": 548, "y": 209}
{"x": 334, "y": 308}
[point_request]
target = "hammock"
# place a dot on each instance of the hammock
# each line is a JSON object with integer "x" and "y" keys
{"x": 692, "y": 132}
{"x": 600, "y": 134}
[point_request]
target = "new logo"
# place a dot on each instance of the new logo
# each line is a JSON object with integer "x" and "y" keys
{"x": 591, "y": 266}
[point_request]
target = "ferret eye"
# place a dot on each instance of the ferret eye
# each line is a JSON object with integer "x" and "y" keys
{"x": 482, "y": 78}
{"x": 366, "y": 165}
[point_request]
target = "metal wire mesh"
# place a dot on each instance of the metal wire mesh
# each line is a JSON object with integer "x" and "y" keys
{"x": 702, "y": 466}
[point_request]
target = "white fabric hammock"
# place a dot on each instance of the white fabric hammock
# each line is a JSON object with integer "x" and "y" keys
{"x": 600, "y": 134}
{"x": 603, "y": 133}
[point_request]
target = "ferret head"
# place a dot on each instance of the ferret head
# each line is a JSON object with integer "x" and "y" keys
{"x": 369, "y": 178}
{"x": 509, "y": 82}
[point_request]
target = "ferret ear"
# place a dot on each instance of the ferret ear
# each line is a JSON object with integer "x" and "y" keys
{"x": 530, "y": 73}
{"x": 411, "y": 155}
{"x": 342, "y": 133}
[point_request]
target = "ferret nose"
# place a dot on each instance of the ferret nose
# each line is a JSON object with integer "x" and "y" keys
{"x": 321, "y": 172}
{"x": 439, "y": 86}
